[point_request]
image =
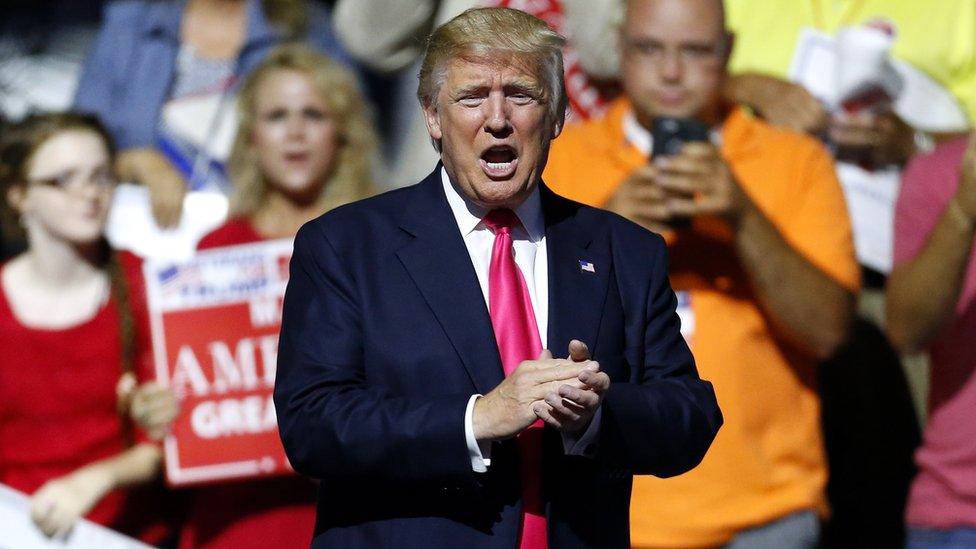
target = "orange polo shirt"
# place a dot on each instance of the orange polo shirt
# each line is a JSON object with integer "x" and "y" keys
{"x": 768, "y": 459}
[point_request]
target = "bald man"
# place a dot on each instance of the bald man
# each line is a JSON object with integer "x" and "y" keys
{"x": 763, "y": 263}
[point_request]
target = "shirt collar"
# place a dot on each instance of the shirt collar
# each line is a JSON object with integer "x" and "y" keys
{"x": 469, "y": 215}
{"x": 642, "y": 140}
{"x": 637, "y": 135}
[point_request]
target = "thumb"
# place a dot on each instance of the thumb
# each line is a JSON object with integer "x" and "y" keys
{"x": 578, "y": 351}
{"x": 545, "y": 355}
{"x": 125, "y": 390}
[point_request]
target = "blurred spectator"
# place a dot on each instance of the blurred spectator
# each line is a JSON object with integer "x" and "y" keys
{"x": 388, "y": 36}
{"x": 932, "y": 305}
{"x": 878, "y": 125}
{"x": 767, "y": 36}
{"x": 880, "y": 81}
{"x": 73, "y": 333}
{"x": 763, "y": 264}
{"x": 163, "y": 75}
{"x": 303, "y": 146}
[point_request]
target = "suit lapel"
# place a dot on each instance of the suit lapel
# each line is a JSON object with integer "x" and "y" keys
{"x": 579, "y": 274}
{"x": 438, "y": 262}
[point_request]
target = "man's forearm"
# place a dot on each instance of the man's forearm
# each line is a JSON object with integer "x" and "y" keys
{"x": 807, "y": 306}
{"x": 745, "y": 88}
{"x": 922, "y": 293}
{"x": 403, "y": 24}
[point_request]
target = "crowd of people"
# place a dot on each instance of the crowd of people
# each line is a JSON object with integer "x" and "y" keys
{"x": 819, "y": 220}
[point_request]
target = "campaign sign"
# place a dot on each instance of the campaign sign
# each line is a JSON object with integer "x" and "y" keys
{"x": 18, "y": 531}
{"x": 215, "y": 322}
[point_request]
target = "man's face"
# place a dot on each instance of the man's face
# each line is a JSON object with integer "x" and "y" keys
{"x": 494, "y": 130}
{"x": 673, "y": 56}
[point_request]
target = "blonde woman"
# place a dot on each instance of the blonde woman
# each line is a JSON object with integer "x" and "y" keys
{"x": 162, "y": 75}
{"x": 303, "y": 146}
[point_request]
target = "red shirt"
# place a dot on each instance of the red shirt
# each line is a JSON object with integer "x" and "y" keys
{"x": 274, "y": 512}
{"x": 237, "y": 230}
{"x": 58, "y": 406}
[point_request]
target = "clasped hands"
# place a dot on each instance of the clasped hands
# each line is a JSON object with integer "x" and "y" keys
{"x": 564, "y": 393}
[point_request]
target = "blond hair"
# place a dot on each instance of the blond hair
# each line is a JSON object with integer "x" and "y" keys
{"x": 349, "y": 179}
{"x": 497, "y": 35}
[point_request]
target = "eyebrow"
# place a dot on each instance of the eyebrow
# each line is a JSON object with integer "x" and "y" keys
{"x": 71, "y": 172}
{"x": 526, "y": 84}
{"x": 693, "y": 42}
{"x": 470, "y": 88}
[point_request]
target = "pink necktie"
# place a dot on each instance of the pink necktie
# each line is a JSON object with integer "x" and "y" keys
{"x": 517, "y": 335}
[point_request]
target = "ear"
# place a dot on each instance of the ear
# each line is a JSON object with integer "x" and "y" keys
{"x": 557, "y": 127}
{"x": 15, "y": 198}
{"x": 729, "y": 45}
{"x": 433, "y": 121}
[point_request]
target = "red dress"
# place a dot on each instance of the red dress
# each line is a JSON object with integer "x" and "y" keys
{"x": 274, "y": 512}
{"x": 58, "y": 408}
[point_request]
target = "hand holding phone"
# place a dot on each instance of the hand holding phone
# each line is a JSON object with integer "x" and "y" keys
{"x": 668, "y": 136}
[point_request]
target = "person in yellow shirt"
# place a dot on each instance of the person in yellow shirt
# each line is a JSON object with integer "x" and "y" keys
{"x": 938, "y": 38}
{"x": 763, "y": 262}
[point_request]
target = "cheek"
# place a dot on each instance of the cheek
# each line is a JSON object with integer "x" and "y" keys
{"x": 41, "y": 207}
{"x": 463, "y": 125}
{"x": 324, "y": 137}
{"x": 265, "y": 136}
{"x": 638, "y": 84}
{"x": 705, "y": 82}
{"x": 48, "y": 212}
{"x": 105, "y": 200}
{"x": 265, "y": 145}
{"x": 325, "y": 142}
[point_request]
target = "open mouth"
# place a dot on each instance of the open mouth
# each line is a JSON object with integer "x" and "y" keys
{"x": 499, "y": 162}
{"x": 296, "y": 157}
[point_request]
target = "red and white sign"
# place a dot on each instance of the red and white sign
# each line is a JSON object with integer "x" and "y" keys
{"x": 215, "y": 322}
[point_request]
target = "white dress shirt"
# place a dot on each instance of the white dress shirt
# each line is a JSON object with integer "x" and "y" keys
{"x": 641, "y": 139}
{"x": 529, "y": 243}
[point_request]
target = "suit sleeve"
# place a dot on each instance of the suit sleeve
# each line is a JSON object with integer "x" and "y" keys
{"x": 333, "y": 422}
{"x": 662, "y": 421}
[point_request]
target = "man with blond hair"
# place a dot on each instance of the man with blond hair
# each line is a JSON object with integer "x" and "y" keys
{"x": 763, "y": 262}
{"x": 414, "y": 376}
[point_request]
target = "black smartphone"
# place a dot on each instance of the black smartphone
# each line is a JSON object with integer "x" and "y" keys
{"x": 669, "y": 135}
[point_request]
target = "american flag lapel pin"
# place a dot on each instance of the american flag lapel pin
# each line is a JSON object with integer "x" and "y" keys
{"x": 587, "y": 266}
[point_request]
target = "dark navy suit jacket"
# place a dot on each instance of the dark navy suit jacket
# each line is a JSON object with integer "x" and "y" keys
{"x": 386, "y": 335}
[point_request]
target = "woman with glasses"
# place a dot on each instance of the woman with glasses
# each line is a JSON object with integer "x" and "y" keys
{"x": 72, "y": 335}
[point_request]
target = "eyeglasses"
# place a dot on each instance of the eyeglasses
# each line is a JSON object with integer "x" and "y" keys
{"x": 699, "y": 54}
{"x": 73, "y": 180}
